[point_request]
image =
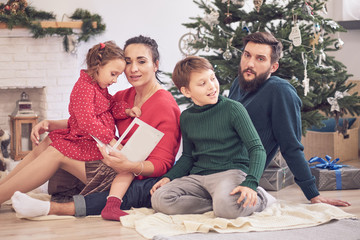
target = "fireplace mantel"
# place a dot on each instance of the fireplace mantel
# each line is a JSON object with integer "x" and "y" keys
{"x": 53, "y": 24}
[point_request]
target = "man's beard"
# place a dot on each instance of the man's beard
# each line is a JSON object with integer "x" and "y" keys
{"x": 256, "y": 83}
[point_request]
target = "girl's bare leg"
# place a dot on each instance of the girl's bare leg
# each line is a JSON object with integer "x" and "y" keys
{"x": 120, "y": 184}
{"x": 39, "y": 171}
{"x": 28, "y": 159}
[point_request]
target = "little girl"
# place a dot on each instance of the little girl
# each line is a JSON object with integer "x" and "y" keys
{"x": 89, "y": 106}
{"x": 71, "y": 146}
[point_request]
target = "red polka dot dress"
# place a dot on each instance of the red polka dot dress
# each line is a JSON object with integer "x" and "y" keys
{"x": 89, "y": 110}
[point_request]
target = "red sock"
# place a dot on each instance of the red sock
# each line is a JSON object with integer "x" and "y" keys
{"x": 112, "y": 209}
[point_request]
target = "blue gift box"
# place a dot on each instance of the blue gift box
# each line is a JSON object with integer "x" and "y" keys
{"x": 331, "y": 176}
{"x": 344, "y": 178}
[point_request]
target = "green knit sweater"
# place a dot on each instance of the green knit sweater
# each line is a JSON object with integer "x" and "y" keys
{"x": 217, "y": 138}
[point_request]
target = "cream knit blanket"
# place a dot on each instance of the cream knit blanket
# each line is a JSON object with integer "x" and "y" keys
{"x": 280, "y": 216}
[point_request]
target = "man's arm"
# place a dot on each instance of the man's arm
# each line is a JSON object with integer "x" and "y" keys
{"x": 287, "y": 130}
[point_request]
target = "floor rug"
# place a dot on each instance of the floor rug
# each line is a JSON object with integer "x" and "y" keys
{"x": 348, "y": 229}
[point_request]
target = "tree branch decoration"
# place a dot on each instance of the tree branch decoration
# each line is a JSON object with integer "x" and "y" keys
{"x": 17, "y": 13}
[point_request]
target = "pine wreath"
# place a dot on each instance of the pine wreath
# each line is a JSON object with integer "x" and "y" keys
{"x": 18, "y": 13}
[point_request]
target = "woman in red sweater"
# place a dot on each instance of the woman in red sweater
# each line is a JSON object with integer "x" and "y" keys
{"x": 158, "y": 109}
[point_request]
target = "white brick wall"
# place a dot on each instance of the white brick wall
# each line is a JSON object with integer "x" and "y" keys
{"x": 42, "y": 63}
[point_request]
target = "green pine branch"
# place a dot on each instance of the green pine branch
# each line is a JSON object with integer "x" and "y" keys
{"x": 30, "y": 17}
{"x": 327, "y": 75}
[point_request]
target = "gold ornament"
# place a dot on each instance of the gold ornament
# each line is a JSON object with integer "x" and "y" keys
{"x": 228, "y": 18}
{"x": 257, "y": 4}
{"x": 314, "y": 41}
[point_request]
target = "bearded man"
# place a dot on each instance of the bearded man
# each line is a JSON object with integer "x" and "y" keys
{"x": 275, "y": 109}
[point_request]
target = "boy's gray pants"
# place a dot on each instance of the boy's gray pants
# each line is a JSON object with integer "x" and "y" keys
{"x": 199, "y": 194}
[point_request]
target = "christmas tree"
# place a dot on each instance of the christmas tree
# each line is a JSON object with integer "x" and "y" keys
{"x": 307, "y": 36}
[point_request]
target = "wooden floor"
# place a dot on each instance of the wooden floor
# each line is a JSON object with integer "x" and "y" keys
{"x": 96, "y": 228}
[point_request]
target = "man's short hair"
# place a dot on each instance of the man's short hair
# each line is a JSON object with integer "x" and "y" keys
{"x": 184, "y": 68}
{"x": 268, "y": 39}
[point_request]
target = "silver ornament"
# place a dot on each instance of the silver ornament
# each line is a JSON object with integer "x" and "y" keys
{"x": 227, "y": 55}
{"x": 212, "y": 18}
{"x": 238, "y": 3}
{"x": 185, "y": 43}
{"x": 324, "y": 9}
{"x": 339, "y": 44}
{"x": 207, "y": 49}
{"x": 332, "y": 24}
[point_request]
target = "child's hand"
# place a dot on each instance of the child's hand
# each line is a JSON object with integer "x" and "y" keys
{"x": 39, "y": 129}
{"x": 133, "y": 112}
{"x": 248, "y": 193}
{"x": 159, "y": 184}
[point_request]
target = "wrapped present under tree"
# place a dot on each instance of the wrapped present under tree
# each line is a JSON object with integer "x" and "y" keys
{"x": 332, "y": 176}
{"x": 277, "y": 175}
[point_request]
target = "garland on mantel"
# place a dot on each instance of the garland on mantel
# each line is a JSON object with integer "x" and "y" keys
{"x": 17, "y": 13}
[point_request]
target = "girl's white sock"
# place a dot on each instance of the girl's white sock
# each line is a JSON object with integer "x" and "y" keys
{"x": 27, "y": 206}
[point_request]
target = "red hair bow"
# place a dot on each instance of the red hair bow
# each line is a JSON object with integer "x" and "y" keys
{"x": 102, "y": 45}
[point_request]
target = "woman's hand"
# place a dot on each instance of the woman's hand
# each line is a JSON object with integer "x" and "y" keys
{"x": 248, "y": 193}
{"x": 159, "y": 184}
{"x": 39, "y": 129}
{"x": 116, "y": 160}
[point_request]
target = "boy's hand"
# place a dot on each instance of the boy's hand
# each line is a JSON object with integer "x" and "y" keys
{"x": 159, "y": 184}
{"x": 248, "y": 193}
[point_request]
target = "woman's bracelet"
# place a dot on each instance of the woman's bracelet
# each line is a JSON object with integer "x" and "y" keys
{"x": 142, "y": 169}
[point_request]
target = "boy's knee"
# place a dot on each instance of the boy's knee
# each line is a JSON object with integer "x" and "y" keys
{"x": 158, "y": 200}
{"x": 230, "y": 209}
{"x": 162, "y": 201}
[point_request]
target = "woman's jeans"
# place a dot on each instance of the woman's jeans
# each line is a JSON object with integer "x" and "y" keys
{"x": 137, "y": 196}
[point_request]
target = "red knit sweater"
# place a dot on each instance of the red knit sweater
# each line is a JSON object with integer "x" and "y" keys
{"x": 162, "y": 112}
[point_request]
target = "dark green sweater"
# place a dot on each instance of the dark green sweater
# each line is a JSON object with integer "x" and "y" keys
{"x": 275, "y": 110}
{"x": 217, "y": 138}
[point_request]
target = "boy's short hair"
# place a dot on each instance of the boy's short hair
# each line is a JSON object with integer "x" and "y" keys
{"x": 268, "y": 39}
{"x": 184, "y": 68}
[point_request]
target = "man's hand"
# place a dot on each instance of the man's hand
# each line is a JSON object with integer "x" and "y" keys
{"x": 335, "y": 202}
{"x": 159, "y": 184}
{"x": 39, "y": 129}
{"x": 248, "y": 193}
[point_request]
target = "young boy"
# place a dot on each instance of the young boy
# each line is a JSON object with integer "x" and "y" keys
{"x": 223, "y": 158}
